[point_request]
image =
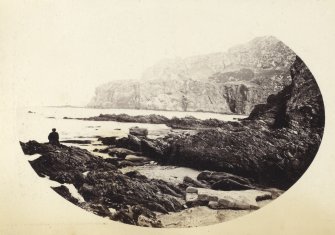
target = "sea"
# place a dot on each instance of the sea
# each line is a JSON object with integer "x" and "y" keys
{"x": 35, "y": 123}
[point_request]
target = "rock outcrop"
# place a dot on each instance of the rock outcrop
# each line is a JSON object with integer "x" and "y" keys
{"x": 273, "y": 147}
{"x": 133, "y": 197}
{"x": 225, "y": 181}
{"x": 188, "y": 122}
{"x": 230, "y": 82}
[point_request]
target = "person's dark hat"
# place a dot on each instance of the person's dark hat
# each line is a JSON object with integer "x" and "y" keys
{"x": 53, "y": 129}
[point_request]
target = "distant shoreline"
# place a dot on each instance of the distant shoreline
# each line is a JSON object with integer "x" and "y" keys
{"x": 167, "y": 110}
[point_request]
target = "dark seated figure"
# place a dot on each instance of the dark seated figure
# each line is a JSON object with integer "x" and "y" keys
{"x": 53, "y": 137}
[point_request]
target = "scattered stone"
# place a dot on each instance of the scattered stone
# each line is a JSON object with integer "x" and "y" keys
{"x": 137, "y": 131}
{"x": 108, "y": 140}
{"x": 213, "y": 198}
{"x": 112, "y": 211}
{"x": 241, "y": 204}
{"x": 191, "y": 182}
{"x": 134, "y": 158}
{"x": 203, "y": 197}
{"x": 120, "y": 152}
{"x": 243, "y": 200}
{"x": 191, "y": 190}
{"x": 191, "y": 198}
{"x": 213, "y": 205}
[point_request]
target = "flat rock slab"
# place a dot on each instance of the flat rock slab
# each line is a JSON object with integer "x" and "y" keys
{"x": 243, "y": 200}
{"x": 134, "y": 158}
{"x": 120, "y": 152}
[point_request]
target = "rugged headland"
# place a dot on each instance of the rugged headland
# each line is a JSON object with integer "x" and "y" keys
{"x": 242, "y": 163}
{"x": 230, "y": 82}
{"x": 274, "y": 145}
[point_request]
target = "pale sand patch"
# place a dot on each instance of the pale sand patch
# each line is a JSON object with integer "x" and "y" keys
{"x": 170, "y": 174}
{"x": 202, "y": 216}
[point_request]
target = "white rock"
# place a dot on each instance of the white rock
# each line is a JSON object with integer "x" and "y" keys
{"x": 134, "y": 158}
{"x": 191, "y": 190}
{"x": 245, "y": 199}
{"x": 112, "y": 210}
{"x": 191, "y": 197}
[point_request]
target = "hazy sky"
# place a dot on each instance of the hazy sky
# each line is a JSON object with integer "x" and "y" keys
{"x": 63, "y": 49}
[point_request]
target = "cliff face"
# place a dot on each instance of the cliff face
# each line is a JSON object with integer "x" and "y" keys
{"x": 179, "y": 95}
{"x": 297, "y": 106}
{"x": 262, "y": 53}
{"x": 231, "y": 82}
{"x": 274, "y": 146}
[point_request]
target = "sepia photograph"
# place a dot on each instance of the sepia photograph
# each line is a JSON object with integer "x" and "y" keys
{"x": 193, "y": 142}
{"x": 166, "y": 115}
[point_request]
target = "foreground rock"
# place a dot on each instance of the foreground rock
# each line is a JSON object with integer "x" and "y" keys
{"x": 214, "y": 199}
{"x": 133, "y": 196}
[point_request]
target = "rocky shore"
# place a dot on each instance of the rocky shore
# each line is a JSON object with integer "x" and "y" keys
{"x": 107, "y": 192}
{"x": 188, "y": 122}
{"x": 241, "y": 163}
{"x": 133, "y": 198}
{"x": 273, "y": 146}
